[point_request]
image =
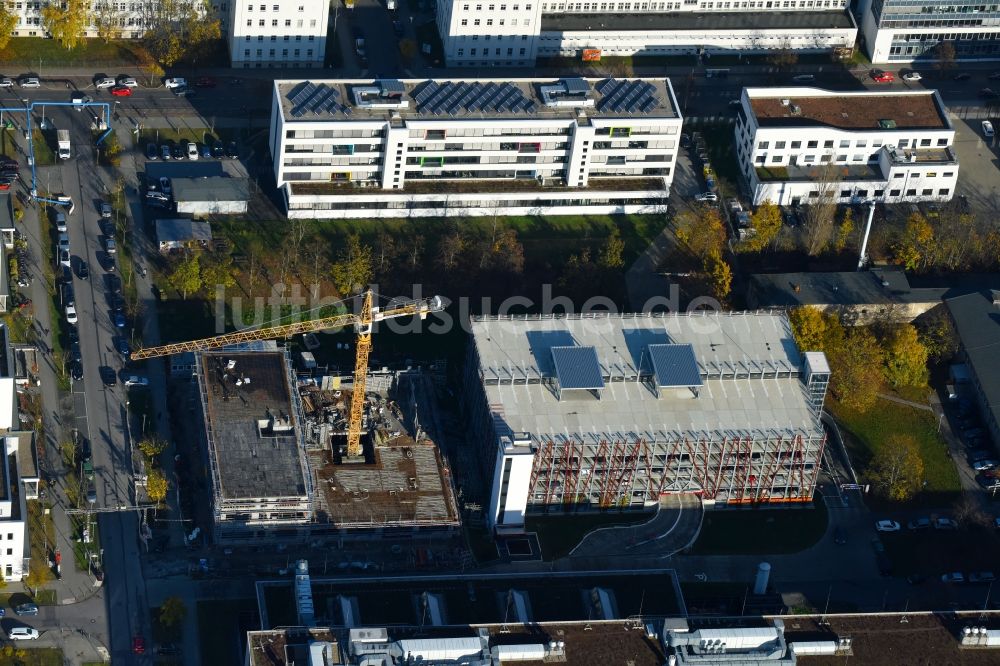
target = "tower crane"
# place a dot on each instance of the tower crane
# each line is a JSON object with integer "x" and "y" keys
{"x": 362, "y": 322}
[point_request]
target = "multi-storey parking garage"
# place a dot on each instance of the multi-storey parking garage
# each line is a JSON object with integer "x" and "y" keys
{"x": 616, "y": 410}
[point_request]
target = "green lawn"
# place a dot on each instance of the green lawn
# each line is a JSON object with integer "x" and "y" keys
{"x": 39, "y": 53}
{"x": 866, "y": 432}
{"x": 719, "y": 141}
{"x": 33, "y": 656}
{"x": 7, "y": 143}
{"x": 558, "y": 535}
{"x": 760, "y": 531}
{"x": 18, "y": 327}
{"x": 44, "y": 156}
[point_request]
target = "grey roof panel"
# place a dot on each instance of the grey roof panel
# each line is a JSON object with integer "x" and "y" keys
{"x": 577, "y": 367}
{"x": 674, "y": 365}
{"x": 576, "y": 86}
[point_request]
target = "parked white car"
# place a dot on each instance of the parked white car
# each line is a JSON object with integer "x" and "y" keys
{"x": 175, "y": 82}
{"x": 106, "y": 82}
{"x": 6, "y": 82}
{"x": 888, "y": 526}
{"x": 71, "y": 314}
{"x": 192, "y": 150}
{"x": 22, "y": 633}
{"x": 912, "y": 76}
{"x": 29, "y": 82}
{"x": 988, "y": 129}
{"x": 706, "y": 196}
{"x": 128, "y": 82}
{"x": 136, "y": 380}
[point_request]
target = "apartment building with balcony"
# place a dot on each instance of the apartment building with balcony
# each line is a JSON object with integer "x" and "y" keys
{"x": 484, "y": 33}
{"x": 799, "y": 145}
{"x": 273, "y": 34}
{"x": 392, "y": 148}
{"x": 911, "y": 30}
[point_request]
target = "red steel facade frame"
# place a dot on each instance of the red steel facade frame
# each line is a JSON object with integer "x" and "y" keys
{"x": 732, "y": 470}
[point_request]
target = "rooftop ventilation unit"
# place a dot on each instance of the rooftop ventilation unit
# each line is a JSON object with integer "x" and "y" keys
{"x": 887, "y": 123}
{"x": 796, "y": 110}
{"x": 786, "y": 102}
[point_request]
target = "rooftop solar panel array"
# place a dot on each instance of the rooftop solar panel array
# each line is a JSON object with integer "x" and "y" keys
{"x": 674, "y": 365}
{"x": 577, "y": 368}
{"x": 621, "y": 96}
{"x": 453, "y": 97}
{"x": 316, "y": 99}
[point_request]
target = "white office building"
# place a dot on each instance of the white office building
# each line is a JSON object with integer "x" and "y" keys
{"x": 898, "y": 31}
{"x": 273, "y": 34}
{"x": 18, "y": 484}
{"x": 345, "y": 149}
{"x": 259, "y": 34}
{"x": 130, "y": 19}
{"x": 480, "y": 33}
{"x": 796, "y": 145}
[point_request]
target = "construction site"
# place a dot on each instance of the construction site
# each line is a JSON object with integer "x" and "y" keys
{"x": 616, "y": 410}
{"x": 274, "y": 442}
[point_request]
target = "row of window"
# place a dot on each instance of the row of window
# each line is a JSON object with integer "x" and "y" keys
{"x": 583, "y": 7}
{"x": 486, "y": 52}
{"x": 285, "y": 38}
{"x": 515, "y": 203}
{"x": 288, "y": 23}
{"x": 500, "y": 22}
{"x": 880, "y": 194}
{"x": 844, "y": 143}
{"x": 492, "y": 7}
{"x": 276, "y": 8}
{"x": 271, "y": 53}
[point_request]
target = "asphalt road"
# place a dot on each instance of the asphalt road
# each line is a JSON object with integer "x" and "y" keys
{"x": 100, "y": 411}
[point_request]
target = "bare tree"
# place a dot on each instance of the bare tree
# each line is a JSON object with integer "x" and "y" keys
{"x": 820, "y": 215}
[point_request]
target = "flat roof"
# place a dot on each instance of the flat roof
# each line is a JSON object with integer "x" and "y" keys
{"x": 977, "y": 321}
{"x": 697, "y": 21}
{"x": 464, "y": 99}
{"x": 179, "y": 230}
{"x": 281, "y": 647}
{"x": 211, "y": 189}
{"x": 254, "y": 453}
{"x": 907, "y": 110}
{"x": 516, "y": 370}
{"x": 875, "y": 287}
{"x": 405, "y": 485}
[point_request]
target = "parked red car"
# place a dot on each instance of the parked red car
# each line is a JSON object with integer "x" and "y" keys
{"x": 121, "y": 91}
{"x": 139, "y": 644}
{"x": 880, "y": 76}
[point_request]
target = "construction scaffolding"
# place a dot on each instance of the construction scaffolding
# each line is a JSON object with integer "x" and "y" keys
{"x": 732, "y": 470}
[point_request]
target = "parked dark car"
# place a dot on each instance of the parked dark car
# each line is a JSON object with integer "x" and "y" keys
{"x": 179, "y": 151}
{"x": 151, "y": 152}
{"x": 76, "y": 371}
{"x": 121, "y": 344}
{"x": 232, "y": 150}
{"x": 82, "y": 270}
{"x": 108, "y": 376}
{"x": 218, "y": 150}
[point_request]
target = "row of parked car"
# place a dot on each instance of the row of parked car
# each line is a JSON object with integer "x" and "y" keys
{"x": 941, "y": 523}
{"x": 191, "y": 151}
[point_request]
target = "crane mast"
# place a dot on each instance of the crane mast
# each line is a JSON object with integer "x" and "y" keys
{"x": 364, "y": 346}
{"x": 362, "y": 322}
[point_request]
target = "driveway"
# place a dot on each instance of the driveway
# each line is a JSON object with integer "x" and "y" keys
{"x": 674, "y": 527}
